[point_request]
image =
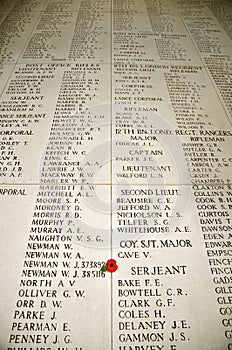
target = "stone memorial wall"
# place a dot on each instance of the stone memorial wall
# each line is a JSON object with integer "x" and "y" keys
{"x": 115, "y": 175}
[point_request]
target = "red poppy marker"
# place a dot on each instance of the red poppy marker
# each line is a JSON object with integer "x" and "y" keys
{"x": 111, "y": 266}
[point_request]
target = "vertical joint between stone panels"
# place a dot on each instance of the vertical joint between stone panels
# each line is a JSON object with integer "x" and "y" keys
{"x": 111, "y": 169}
{"x": 111, "y": 124}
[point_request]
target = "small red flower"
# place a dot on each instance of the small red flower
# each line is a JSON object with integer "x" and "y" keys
{"x": 111, "y": 265}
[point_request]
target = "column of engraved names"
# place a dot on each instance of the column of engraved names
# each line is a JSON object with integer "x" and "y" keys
{"x": 35, "y": 317}
{"x": 152, "y": 286}
{"x": 155, "y": 286}
{"x": 204, "y": 141}
{"x": 50, "y": 269}
{"x": 23, "y": 109}
{"x": 147, "y": 298}
{"x": 211, "y": 34}
{"x": 146, "y": 226}
{"x": 214, "y": 211}
{"x": 206, "y": 147}
{"x": 169, "y": 38}
{"x": 71, "y": 31}
{"x": 16, "y": 25}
